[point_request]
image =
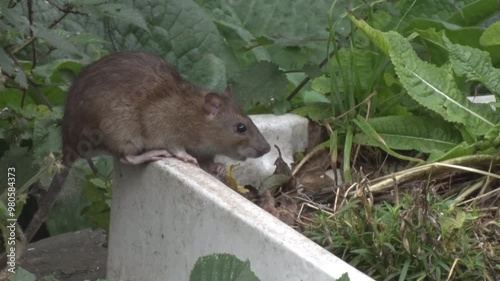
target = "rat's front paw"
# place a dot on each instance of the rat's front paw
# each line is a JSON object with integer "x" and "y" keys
{"x": 148, "y": 156}
{"x": 217, "y": 169}
{"x": 184, "y": 156}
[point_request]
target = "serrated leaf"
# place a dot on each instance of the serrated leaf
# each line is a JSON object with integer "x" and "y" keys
{"x": 222, "y": 267}
{"x": 281, "y": 107}
{"x": 423, "y": 134}
{"x": 491, "y": 36}
{"x": 376, "y": 36}
{"x": 435, "y": 88}
{"x": 260, "y": 83}
{"x": 475, "y": 65}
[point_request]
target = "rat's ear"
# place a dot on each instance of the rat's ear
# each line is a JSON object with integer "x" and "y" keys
{"x": 228, "y": 92}
{"x": 213, "y": 104}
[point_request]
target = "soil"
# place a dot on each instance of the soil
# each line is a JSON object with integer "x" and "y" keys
{"x": 73, "y": 256}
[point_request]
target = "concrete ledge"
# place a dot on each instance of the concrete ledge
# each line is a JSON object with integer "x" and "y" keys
{"x": 167, "y": 214}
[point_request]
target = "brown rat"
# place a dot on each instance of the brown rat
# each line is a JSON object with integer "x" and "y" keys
{"x": 138, "y": 108}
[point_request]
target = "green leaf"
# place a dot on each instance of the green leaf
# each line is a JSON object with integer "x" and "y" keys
{"x": 474, "y": 13}
{"x": 491, "y": 36}
{"x": 344, "y": 277}
{"x": 315, "y": 111}
{"x": 376, "y": 138}
{"x": 475, "y": 65}
{"x": 55, "y": 40}
{"x": 460, "y": 150}
{"x": 8, "y": 65}
{"x": 222, "y": 267}
{"x": 312, "y": 70}
{"x": 435, "y": 88}
{"x": 209, "y": 73}
{"x": 180, "y": 32}
{"x": 376, "y": 36}
{"x": 46, "y": 139}
{"x": 98, "y": 182}
{"x": 423, "y": 134}
{"x": 124, "y": 13}
{"x": 260, "y": 83}
{"x": 314, "y": 97}
{"x": 49, "y": 69}
{"x": 321, "y": 84}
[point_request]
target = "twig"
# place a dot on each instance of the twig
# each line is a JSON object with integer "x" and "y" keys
{"x": 307, "y": 79}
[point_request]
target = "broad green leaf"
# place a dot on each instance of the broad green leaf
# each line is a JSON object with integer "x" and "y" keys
{"x": 474, "y": 13}
{"x": 475, "y": 65}
{"x": 491, "y": 36}
{"x": 440, "y": 8}
{"x": 209, "y": 73}
{"x": 435, "y": 88}
{"x": 311, "y": 97}
{"x": 180, "y": 32}
{"x": 222, "y": 267}
{"x": 378, "y": 140}
{"x": 49, "y": 69}
{"x": 260, "y": 83}
{"x": 460, "y": 150}
{"x": 423, "y": 134}
{"x": 321, "y": 84}
{"x": 277, "y": 27}
{"x": 123, "y": 13}
{"x": 467, "y": 36}
{"x": 361, "y": 63}
{"x": 376, "y": 36}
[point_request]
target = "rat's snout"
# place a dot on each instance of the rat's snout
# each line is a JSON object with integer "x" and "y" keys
{"x": 257, "y": 147}
{"x": 263, "y": 147}
{"x": 260, "y": 145}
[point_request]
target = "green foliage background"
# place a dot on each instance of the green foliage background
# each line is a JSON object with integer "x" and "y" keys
{"x": 390, "y": 74}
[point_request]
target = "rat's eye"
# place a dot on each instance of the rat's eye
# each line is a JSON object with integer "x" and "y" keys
{"x": 241, "y": 128}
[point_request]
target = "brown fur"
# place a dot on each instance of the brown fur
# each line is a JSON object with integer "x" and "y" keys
{"x": 129, "y": 103}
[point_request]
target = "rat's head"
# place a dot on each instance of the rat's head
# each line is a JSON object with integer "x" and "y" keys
{"x": 233, "y": 132}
